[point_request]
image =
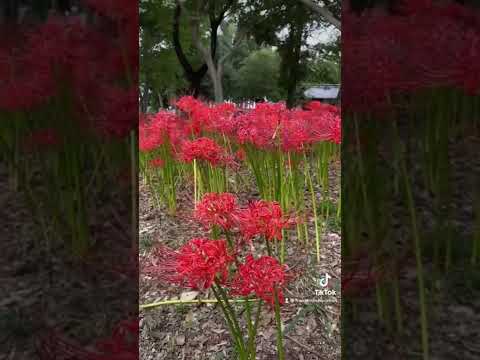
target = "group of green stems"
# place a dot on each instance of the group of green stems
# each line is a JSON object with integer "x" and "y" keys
{"x": 432, "y": 124}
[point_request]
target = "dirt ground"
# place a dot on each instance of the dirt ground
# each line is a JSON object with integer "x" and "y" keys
{"x": 453, "y": 298}
{"x": 199, "y": 332}
{"x": 43, "y": 288}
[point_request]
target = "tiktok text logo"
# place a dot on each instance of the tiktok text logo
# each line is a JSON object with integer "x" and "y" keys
{"x": 323, "y": 282}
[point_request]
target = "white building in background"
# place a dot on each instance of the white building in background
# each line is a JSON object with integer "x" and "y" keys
{"x": 329, "y": 93}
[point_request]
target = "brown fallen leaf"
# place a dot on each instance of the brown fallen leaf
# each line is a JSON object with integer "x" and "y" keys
{"x": 180, "y": 340}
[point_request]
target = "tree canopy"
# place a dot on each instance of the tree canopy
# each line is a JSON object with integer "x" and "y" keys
{"x": 236, "y": 49}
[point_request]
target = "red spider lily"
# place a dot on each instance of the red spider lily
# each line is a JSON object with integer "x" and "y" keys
{"x": 196, "y": 265}
{"x": 322, "y": 107}
{"x": 122, "y": 345}
{"x": 325, "y": 123}
{"x": 26, "y": 82}
{"x": 363, "y": 274}
{"x": 359, "y": 283}
{"x": 296, "y": 131}
{"x": 188, "y": 104}
{"x": 271, "y": 125}
{"x": 421, "y": 50}
{"x": 240, "y": 154}
{"x": 263, "y": 218}
{"x": 409, "y": 7}
{"x": 261, "y": 126}
{"x": 222, "y": 119}
{"x": 260, "y": 277}
{"x": 335, "y": 131}
{"x": 216, "y": 118}
{"x": 116, "y": 114}
{"x": 204, "y": 149}
{"x": 157, "y": 163}
{"x": 41, "y": 139}
{"x": 123, "y": 342}
{"x": 198, "y": 113}
{"x": 217, "y": 210}
{"x": 158, "y": 129}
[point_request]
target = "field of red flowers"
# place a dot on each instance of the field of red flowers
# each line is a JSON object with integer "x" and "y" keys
{"x": 239, "y": 223}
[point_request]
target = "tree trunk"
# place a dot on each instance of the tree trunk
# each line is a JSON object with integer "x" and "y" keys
{"x": 323, "y": 12}
{"x": 209, "y": 60}
{"x": 194, "y": 77}
{"x": 293, "y": 74}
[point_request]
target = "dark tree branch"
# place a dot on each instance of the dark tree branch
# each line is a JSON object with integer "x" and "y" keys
{"x": 194, "y": 77}
{"x": 323, "y": 12}
{"x": 176, "y": 41}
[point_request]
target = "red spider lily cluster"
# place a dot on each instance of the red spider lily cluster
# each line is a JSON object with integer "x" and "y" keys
{"x": 159, "y": 129}
{"x": 122, "y": 345}
{"x": 157, "y": 163}
{"x": 258, "y": 218}
{"x": 221, "y": 137}
{"x": 202, "y": 262}
{"x": 88, "y": 59}
{"x": 41, "y": 139}
{"x": 195, "y": 265}
{"x": 260, "y": 277}
{"x": 424, "y": 44}
{"x": 205, "y": 149}
{"x": 216, "y": 118}
{"x": 263, "y": 218}
{"x": 268, "y": 126}
{"x": 217, "y": 210}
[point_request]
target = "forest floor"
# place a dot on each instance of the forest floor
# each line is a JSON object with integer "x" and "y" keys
{"x": 48, "y": 297}
{"x": 199, "y": 332}
{"x": 452, "y": 297}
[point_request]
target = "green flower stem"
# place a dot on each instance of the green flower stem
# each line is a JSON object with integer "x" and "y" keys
{"x": 339, "y": 207}
{"x": 251, "y": 344}
{"x": 251, "y": 334}
{"x": 398, "y": 305}
{"x": 281, "y": 355}
{"x": 231, "y": 322}
{"x": 476, "y": 232}
{"x": 269, "y": 250}
{"x": 195, "y": 183}
{"x": 134, "y": 189}
{"x": 419, "y": 264}
{"x": 191, "y": 302}
{"x": 278, "y": 319}
{"x": 368, "y": 204}
{"x": 224, "y": 296}
{"x": 315, "y": 214}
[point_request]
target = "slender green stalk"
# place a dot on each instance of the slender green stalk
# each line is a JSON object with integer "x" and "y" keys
{"x": 195, "y": 186}
{"x": 419, "y": 264}
{"x": 191, "y": 302}
{"x": 315, "y": 214}
{"x": 251, "y": 345}
{"x": 134, "y": 189}
{"x": 232, "y": 312}
{"x": 278, "y": 319}
{"x": 230, "y": 319}
{"x": 398, "y": 305}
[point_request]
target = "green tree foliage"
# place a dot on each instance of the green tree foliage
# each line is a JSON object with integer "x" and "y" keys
{"x": 323, "y": 72}
{"x": 259, "y": 49}
{"x": 160, "y": 72}
{"x": 288, "y": 25}
{"x": 324, "y": 66}
{"x": 259, "y": 75}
